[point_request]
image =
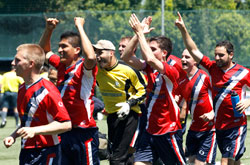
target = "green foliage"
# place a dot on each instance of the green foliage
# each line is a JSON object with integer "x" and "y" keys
{"x": 109, "y": 20}
{"x": 234, "y": 27}
{"x": 204, "y": 4}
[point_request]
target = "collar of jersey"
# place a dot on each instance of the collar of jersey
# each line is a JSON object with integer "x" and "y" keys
{"x": 108, "y": 69}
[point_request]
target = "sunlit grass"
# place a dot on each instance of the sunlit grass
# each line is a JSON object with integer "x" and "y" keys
{"x": 10, "y": 156}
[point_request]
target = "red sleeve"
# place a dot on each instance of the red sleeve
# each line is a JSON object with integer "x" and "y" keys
{"x": 54, "y": 60}
{"x": 206, "y": 62}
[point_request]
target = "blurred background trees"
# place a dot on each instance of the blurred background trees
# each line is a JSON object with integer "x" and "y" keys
{"x": 208, "y": 21}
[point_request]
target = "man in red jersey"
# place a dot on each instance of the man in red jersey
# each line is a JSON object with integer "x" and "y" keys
{"x": 76, "y": 82}
{"x": 40, "y": 108}
{"x": 195, "y": 87}
{"x": 163, "y": 136}
{"x": 226, "y": 76}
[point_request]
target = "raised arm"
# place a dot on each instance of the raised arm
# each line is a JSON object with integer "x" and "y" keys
{"x": 45, "y": 39}
{"x": 147, "y": 53}
{"x": 90, "y": 58}
{"x": 188, "y": 41}
{"x": 128, "y": 55}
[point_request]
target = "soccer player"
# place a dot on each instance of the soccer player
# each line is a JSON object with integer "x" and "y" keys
{"x": 195, "y": 87}
{"x": 226, "y": 76}
{"x": 129, "y": 57}
{"x": 10, "y": 85}
{"x": 40, "y": 108}
{"x": 122, "y": 89}
{"x": 76, "y": 82}
{"x": 163, "y": 136}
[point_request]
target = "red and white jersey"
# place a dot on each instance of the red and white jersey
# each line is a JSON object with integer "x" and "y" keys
{"x": 40, "y": 104}
{"x": 223, "y": 82}
{"x": 76, "y": 85}
{"x": 197, "y": 92}
{"x": 163, "y": 111}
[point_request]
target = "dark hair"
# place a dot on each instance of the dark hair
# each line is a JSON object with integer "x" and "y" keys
{"x": 73, "y": 38}
{"x": 227, "y": 44}
{"x": 164, "y": 43}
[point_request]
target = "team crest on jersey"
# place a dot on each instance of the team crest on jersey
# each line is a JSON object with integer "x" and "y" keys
{"x": 117, "y": 84}
{"x": 60, "y": 104}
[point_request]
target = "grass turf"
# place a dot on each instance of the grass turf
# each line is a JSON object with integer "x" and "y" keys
{"x": 10, "y": 156}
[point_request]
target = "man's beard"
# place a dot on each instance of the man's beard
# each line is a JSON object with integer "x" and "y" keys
{"x": 222, "y": 64}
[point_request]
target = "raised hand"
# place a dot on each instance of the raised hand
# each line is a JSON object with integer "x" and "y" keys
{"x": 146, "y": 22}
{"x": 135, "y": 24}
{"x": 179, "y": 22}
{"x": 79, "y": 21}
{"x": 51, "y": 23}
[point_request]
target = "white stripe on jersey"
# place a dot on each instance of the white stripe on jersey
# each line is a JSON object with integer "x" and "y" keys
{"x": 228, "y": 89}
{"x": 210, "y": 97}
{"x": 86, "y": 87}
{"x": 71, "y": 75}
{"x": 34, "y": 105}
{"x": 169, "y": 85}
{"x": 196, "y": 93}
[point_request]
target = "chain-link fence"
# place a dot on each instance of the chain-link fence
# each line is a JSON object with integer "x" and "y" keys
{"x": 206, "y": 27}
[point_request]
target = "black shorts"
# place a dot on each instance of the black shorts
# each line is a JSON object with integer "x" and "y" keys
{"x": 120, "y": 134}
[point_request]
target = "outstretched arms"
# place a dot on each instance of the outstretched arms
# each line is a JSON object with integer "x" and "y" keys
{"x": 188, "y": 41}
{"x": 90, "y": 58}
{"x": 128, "y": 55}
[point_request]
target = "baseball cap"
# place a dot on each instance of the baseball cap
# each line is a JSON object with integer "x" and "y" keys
{"x": 104, "y": 44}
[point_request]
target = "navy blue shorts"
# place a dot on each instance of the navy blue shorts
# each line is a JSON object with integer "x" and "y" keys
{"x": 80, "y": 146}
{"x": 9, "y": 100}
{"x": 47, "y": 156}
{"x": 201, "y": 144}
{"x": 168, "y": 147}
{"x": 231, "y": 142}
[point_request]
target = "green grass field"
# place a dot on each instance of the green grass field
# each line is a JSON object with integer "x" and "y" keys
{"x": 10, "y": 156}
